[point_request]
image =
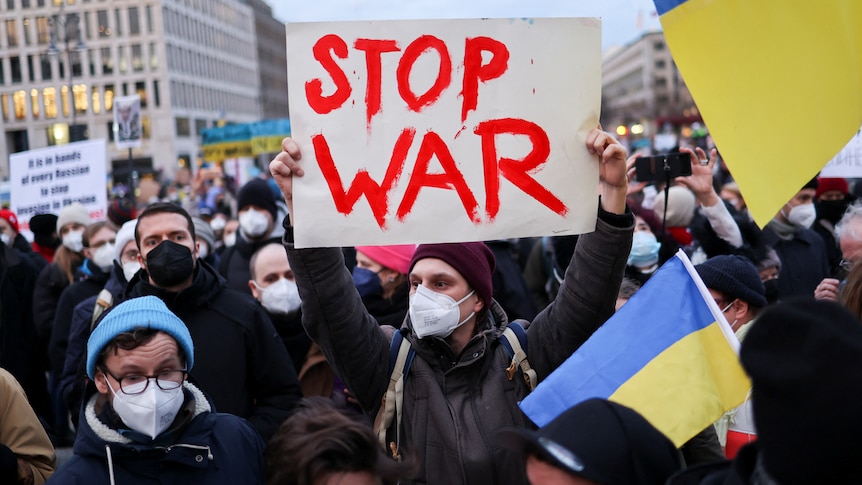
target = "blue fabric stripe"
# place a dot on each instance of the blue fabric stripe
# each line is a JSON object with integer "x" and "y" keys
{"x": 664, "y": 6}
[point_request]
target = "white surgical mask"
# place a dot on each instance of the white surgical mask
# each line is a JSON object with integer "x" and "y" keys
{"x": 253, "y": 223}
{"x": 130, "y": 269}
{"x": 74, "y": 241}
{"x": 230, "y": 240}
{"x": 281, "y": 297}
{"x": 218, "y": 223}
{"x": 203, "y": 250}
{"x": 6, "y": 239}
{"x": 149, "y": 412}
{"x": 435, "y": 314}
{"x": 103, "y": 257}
{"x": 802, "y": 216}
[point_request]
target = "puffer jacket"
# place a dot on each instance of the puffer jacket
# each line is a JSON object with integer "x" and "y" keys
{"x": 209, "y": 448}
{"x": 454, "y": 403}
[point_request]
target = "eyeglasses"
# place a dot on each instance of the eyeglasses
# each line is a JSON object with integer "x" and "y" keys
{"x": 137, "y": 383}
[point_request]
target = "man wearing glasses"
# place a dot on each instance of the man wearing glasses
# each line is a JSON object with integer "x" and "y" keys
{"x": 144, "y": 421}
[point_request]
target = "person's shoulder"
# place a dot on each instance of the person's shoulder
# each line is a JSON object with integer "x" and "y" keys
{"x": 238, "y": 431}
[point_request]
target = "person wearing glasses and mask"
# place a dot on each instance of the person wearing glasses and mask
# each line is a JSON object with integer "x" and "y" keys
{"x": 144, "y": 422}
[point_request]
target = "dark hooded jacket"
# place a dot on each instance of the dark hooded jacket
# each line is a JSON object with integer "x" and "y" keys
{"x": 240, "y": 360}
{"x": 454, "y": 403}
{"x": 202, "y": 446}
{"x": 234, "y": 261}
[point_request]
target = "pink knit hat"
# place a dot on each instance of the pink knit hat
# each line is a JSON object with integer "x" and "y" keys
{"x": 393, "y": 257}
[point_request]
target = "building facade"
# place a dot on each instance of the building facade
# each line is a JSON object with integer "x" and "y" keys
{"x": 194, "y": 63}
{"x": 643, "y": 91}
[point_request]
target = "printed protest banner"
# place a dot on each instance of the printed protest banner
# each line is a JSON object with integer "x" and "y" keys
{"x": 48, "y": 179}
{"x": 848, "y": 162}
{"x": 450, "y": 130}
{"x": 127, "y": 121}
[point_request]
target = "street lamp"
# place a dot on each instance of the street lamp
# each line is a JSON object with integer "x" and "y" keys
{"x": 68, "y": 24}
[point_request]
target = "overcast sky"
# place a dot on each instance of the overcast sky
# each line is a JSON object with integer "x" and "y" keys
{"x": 622, "y": 20}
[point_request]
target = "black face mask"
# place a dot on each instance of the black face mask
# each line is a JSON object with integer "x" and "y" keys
{"x": 831, "y": 210}
{"x": 170, "y": 264}
{"x": 771, "y": 287}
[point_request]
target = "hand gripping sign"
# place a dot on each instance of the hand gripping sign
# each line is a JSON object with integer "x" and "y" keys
{"x": 444, "y": 130}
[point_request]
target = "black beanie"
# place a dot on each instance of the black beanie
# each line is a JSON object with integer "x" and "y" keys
{"x": 257, "y": 193}
{"x": 43, "y": 224}
{"x": 804, "y": 358}
{"x": 735, "y": 276}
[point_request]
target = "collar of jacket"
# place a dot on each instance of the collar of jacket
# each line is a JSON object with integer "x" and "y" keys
{"x": 206, "y": 285}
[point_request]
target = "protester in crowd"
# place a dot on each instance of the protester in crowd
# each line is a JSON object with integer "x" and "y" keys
{"x": 380, "y": 276}
{"x": 595, "y": 442}
{"x": 830, "y": 201}
{"x": 85, "y": 314}
{"x": 804, "y": 358}
{"x": 10, "y": 236}
{"x": 205, "y": 238}
{"x": 229, "y": 234}
{"x": 731, "y": 194}
{"x": 144, "y": 422}
{"x": 643, "y": 258}
{"x": 217, "y": 223}
{"x": 802, "y": 252}
{"x": 26, "y": 454}
{"x": 848, "y": 230}
{"x": 45, "y": 240}
{"x": 678, "y": 213}
{"x": 257, "y": 213}
{"x": 769, "y": 267}
{"x": 121, "y": 210}
{"x": 453, "y": 324}
{"x": 319, "y": 445}
{"x": 242, "y": 364}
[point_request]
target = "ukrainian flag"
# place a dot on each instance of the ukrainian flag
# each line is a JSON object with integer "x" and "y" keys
{"x": 668, "y": 353}
{"x": 778, "y": 83}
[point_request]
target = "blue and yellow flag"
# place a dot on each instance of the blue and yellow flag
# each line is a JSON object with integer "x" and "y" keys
{"x": 668, "y": 353}
{"x": 778, "y": 83}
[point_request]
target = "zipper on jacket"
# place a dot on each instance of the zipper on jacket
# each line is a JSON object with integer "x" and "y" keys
{"x": 167, "y": 449}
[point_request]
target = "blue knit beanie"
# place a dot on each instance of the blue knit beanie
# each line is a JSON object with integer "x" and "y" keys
{"x": 143, "y": 312}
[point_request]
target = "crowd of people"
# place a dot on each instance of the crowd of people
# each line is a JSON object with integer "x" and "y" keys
{"x": 189, "y": 341}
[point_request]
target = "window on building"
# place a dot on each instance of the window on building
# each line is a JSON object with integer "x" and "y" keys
{"x": 19, "y": 98}
{"x": 87, "y": 31}
{"x": 10, "y": 4}
{"x": 26, "y": 32}
{"x": 43, "y": 30}
{"x": 64, "y": 100}
{"x": 77, "y": 65}
{"x": 182, "y": 125}
{"x": 117, "y": 24}
{"x": 154, "y": 56}
{"x": 149, "y": 15}
{"x": 134, "y": 21}
{"x": 659, "y": 64}
{"x": 109, "y": 97}
{"x": 45, "y": 60}
{"x": 11, "y": 33}
{"x": 104, "y": 29}
{"x": 141, "y": 90}
{"x": 156, "y": 96}
{"x": 81, "y": 99}
{"x": 4, "y": 98}
{"x": 137, "y": 58}
{"x": 25, "y": 3}
{"x": 200, "y": 125}
{"x": 49, "y": 97}
{"x": 2, "y": 73}
{"x": 15, "y": 67}
{"x": 91, "y": 56}
{"x": 107, "y": 61}
{"x": 20, "y": 142}
{"x": 660, "y": 82}
{"x": 31, "y": 71}
{"x": 34, "y": 102}
{"x": 658, "y": 46}
{"x": 96, "y": 100}
{"x": 123, "y": 62}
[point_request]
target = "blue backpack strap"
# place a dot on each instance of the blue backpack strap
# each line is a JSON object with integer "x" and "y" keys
{"x": 388, "y": 420}
{"x": 395, "y": 347}
{"x": 515, "y": 336}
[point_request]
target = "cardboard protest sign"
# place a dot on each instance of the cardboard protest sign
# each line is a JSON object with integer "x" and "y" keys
{"x": 848, "y": 162}
{"x": 439, "y": 131}
{"x": 44, "y": 181}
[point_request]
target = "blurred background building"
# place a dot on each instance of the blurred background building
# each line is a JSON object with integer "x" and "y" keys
{"x": 195, "y": 64}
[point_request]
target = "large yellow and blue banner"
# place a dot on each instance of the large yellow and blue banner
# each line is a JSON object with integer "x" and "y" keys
{"x": 668, "y": 353}
{"x": 778, "y": 83}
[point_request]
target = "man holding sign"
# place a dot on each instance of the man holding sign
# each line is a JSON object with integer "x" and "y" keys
{"x": 458, "y": 391}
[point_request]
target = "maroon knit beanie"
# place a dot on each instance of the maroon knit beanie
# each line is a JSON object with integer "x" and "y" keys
{"x": 474, "y": 260}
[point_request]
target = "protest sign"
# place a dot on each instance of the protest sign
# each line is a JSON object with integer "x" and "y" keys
{"x": 48, "y": 179}
{"x": 848, "y": 162}
{"x": 127, "y": 121}
{"x": 450, "y": 130}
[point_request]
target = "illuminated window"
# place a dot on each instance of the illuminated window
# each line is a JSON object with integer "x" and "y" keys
{"x": 141, "y": 91}
{"x": 97, "y": 105}
{"x": 26, "y": 31}
{"x": 64, "y": 95}
{"x": 49, "y": 97}
{"x": 4, "y": 98}
{"x": 34, "y": 102}
{"x": 137, "y": 58}
{"x": 81, "y": 101}
{"x": 109, "y": 97}
{"x": 20, "y": 100}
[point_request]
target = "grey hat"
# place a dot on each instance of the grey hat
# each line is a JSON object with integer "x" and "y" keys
{"x": 204, "y": 231}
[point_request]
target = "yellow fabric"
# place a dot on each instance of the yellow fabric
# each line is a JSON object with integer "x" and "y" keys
{"x": 778, "y": 83}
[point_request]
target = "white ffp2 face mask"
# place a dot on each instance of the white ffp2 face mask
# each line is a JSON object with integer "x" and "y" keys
{"x": 103, "y": 257}
{"x": 802, "y": 216}
{"x": 74, "y": 241}
{"x": 130, "y": 269}
{"x": 149, "y": 412}
{"x": 435, "y": 314}
{"x": 281, "y": 297}
{"x": 253, "y": 223}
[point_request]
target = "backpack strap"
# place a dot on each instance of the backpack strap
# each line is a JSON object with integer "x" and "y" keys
{"x": 103, "y": 302}
{"x": 401, "y": 355}
{"x": 514, "y": 339}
